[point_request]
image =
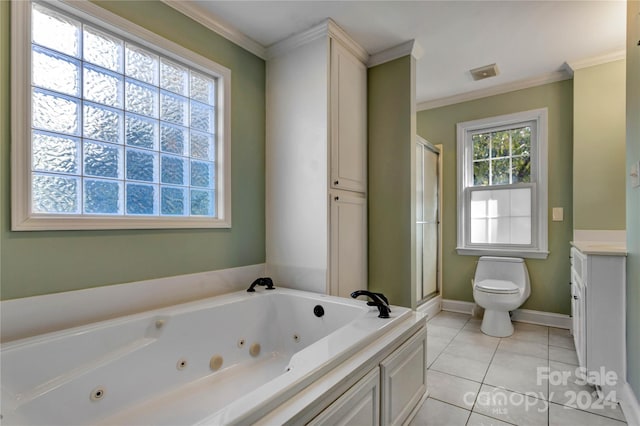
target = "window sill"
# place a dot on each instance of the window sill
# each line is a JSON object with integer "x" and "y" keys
{"x": 527, "y": 254}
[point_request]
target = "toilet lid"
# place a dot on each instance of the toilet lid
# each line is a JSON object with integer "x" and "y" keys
{"x": 497, "y": 286}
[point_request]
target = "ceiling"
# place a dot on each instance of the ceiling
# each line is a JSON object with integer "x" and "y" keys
{"x": 529, "y": 40}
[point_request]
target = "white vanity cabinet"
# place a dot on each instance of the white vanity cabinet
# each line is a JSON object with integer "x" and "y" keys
{"x": 316, "y": 153}
{"x": 598, "y": 309}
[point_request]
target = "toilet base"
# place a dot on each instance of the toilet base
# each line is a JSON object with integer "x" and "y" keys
{"x": 497, "y": 323}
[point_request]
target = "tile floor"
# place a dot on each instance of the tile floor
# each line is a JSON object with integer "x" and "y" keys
{"x": 475, "y": 379}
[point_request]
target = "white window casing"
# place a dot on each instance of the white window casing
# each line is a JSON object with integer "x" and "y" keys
{"x": 537, "y": 245}
{"x": 23, "y": 217}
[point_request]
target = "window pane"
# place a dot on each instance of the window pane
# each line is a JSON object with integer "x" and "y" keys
{"x": 173, "y": 170}
{"x": 173, "y": 139}
{"x": 521, "y": 141}
{"x": 55, "y": 72}
{"x": 142, "y": 199}
{"x": 173, "y": 108}
{"x": 201, "y": 117}
{"x": 55, "y": 194}
{"x": 521, "y": 170}
{"x": 173, "y": 77}
{"x": 102, "y": 49}
{"x": 201, "y": 174}
{"x": 500, "y": 170}
{"x": 501, "y": 216}
{"x": 481, "y": 146}
{"x": 201, "y": 202}
{"x": 500, "y": 144}
{"x": 520, "y": 228}
{"x": 102, "y": 87}
{"x": 202, "y": 89}
{"x": 54, "y": 153}
{"x": 142, "y": 99}
{"x": 480, "y": 173}
{"x": 141, "y": 64}
{"x": 102, "y": 160}
{"x": 141, "y": 132}
{"x": 102, "y": 196}
{"x": 46, "y": 22}
{"x": 173, "y": 201}
{"x": 102, "y": 123}
{"x": 142, "y": 165}
{"x": 201, "y": 146}
{"x": 55, "y": 113}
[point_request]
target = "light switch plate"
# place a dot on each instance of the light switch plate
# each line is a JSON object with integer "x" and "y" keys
{"x": 557, "y": 214}
{"x": 635, "y": 174}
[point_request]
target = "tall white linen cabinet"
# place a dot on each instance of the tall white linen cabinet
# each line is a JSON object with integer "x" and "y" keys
{"x": 316, "y": 162}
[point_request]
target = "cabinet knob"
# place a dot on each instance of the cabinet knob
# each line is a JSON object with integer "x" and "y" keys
{"x": 336, "y": 182}
{"x": 336, "y": 198}
{"x": 575, "y": 297}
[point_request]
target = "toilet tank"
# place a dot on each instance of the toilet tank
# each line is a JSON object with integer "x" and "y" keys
{"x": 502, "y": 268}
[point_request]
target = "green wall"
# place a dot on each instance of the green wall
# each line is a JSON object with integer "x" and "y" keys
{"x": 599, "y": 147}
{"x": 391, "y": 190}
{"x": 633, "y": 198}
{"x": 549, "y": 277}
{"x": 36, "y": 263}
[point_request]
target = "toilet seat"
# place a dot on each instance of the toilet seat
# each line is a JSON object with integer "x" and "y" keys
{"x": 497, "y": 287}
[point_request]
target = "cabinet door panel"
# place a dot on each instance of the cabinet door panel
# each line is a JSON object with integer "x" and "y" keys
{"x": 348, "y": 245}
{"x": 348, "y": 120}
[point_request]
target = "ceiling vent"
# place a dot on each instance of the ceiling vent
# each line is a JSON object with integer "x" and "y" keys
{"x": 484, "y": 72}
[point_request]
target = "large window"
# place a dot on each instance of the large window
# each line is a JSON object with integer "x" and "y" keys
{"x": 502, "y": 185}
{"x": 120, "y": 129}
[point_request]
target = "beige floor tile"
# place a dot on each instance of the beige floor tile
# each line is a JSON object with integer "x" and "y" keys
{"x": 435, "y": 330}
{"x": 480, "y": 352}
{"x": 568, "y": 356}
{"x": 434, "y": 412}
{"x": 524, "y": 347}
{"x": 477, "y": 337}
{"x": 450, "y": 319}
{"x": 477, "y": 419}
{"x": 435, "y": 346}
{"x": 567, "y": 388}
{"x": 511, "y": 407}
{"x": 451, "y": 389}
{"x": 530, "y": 332}
{"x": 456, "y": 365}
{"x": 519, "y": 373}
{"x": 564, "y": 416}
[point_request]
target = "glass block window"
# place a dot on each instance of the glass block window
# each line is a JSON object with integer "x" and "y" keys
{"x": 118, "y": 128}
{"x": 502, "y": 189}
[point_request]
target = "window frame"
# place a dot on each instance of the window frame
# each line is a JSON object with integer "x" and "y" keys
{"x": 538, "y": 249}
{"x": 22, "y": 218}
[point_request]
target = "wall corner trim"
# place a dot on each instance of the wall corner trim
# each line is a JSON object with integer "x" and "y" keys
{"x": 630, "y": 405}
{"x": 411, "y": 47}
{"x": 218, "y": 26}
{"x": 573, "y": 66}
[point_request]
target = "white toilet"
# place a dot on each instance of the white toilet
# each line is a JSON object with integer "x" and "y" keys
{"x": 500, "y": 285}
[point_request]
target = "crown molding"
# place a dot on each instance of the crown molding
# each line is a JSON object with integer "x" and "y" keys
{"x": 327, "y": 28}
{"x": 573, "y": 66}
{"x": 495, "y": 90}
{"x": 218, "y": 26}
{"x": 410, "y": 47}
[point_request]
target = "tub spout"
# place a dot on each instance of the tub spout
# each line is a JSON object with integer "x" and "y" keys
{"x": 378, "y": 300}
{"x": 266, "y": 281}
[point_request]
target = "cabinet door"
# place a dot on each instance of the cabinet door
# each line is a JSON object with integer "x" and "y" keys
{"x": 348, "y": 82}
{"x": 357, "y": 406}
{"x": 348, "y": 244}
{"x": 578, "y": 306}
{"x": 403, "y": 377}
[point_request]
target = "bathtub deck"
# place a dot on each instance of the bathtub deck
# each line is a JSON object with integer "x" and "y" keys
{"x": 197, "y": 400}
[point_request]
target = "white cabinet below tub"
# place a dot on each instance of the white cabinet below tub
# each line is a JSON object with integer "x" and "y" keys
{"x": 598, "y": 313}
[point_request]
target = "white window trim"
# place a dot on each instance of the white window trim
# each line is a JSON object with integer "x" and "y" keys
{"x": 539, "y": 248}
{"x": 21, "y": 216}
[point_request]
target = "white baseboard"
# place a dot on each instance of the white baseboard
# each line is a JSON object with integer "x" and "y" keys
{"x": 548, "y": 319}
{"x": 630, "y": 405}
{"x": 431, "y": 307}
{"x": 30, "y": 316}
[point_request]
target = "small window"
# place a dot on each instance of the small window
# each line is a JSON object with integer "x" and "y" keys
{"x": 120, "y": 128}
{"x": 502, "y": 189}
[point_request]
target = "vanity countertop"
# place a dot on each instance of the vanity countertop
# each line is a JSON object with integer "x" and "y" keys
{"x": 602, "y": 248}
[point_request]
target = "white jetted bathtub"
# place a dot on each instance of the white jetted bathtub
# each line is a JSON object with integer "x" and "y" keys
{"x": 216, "y": 361}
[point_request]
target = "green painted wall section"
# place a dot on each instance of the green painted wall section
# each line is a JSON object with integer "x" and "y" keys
{"x": 599, "y": 147}
{"x": 35, "y": 263}
{"x": 633, "y": 197}
{"x": 391, "y": 165}
{"x": 549, "y": 277}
